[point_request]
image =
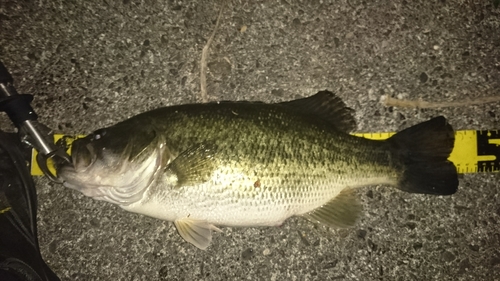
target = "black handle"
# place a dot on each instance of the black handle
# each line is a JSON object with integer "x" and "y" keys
{"x": 16, "y": 106}
{"x": 5, "y": 76}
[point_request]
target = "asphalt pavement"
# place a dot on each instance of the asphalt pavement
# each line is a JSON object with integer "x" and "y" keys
{"x": 90, "y": 64}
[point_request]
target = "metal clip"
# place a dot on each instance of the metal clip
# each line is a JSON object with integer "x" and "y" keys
{"x": 41, "y": 138}
{"x": 58, "y": 156}
{"x": 35, "y": 134}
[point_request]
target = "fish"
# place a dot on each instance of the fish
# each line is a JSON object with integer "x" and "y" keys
{"x": 250, "y": 164}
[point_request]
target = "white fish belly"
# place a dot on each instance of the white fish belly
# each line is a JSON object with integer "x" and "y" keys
{"x": 236, "y": 199}
{"x": 233, "y": 208}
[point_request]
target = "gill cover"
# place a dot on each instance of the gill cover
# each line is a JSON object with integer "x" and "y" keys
{"x": 115, "y": 165}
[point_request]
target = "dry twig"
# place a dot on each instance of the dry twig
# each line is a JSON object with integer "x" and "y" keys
{"x": 203, "y": 62}
{"x": 388, "y": 101}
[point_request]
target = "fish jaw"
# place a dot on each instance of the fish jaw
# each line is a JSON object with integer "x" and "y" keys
{"x": 122, "y": 185}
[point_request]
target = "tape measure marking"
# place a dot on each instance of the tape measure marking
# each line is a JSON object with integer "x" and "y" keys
{"x": 488, "y": 150}
{"x": 474, "y": 151}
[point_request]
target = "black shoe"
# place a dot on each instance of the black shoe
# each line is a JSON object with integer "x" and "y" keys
{"x": 20, "y": 257}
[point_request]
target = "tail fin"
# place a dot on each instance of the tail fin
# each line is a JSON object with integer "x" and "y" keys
{"x": 424, "y": 150}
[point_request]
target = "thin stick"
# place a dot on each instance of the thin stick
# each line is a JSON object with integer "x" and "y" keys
{"x": 388, "y": 101}
{"x": 203, "y": 62}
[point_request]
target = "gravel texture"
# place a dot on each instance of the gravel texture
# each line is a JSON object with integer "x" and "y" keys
{"x": 93, "y": 63}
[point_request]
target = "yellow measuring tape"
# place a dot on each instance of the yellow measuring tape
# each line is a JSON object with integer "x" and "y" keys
{"x": 5, "y": 210}
{"x": 474, "y": 151}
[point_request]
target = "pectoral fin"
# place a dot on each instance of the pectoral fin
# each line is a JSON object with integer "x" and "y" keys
{"x": 342, "y": 211}
{"x": 195, "y": 165}
{"x": 196, "y": 232}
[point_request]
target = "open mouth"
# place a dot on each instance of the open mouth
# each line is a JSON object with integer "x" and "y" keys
{"x": 82, "y": 157}
{"x": 83, "y": 154}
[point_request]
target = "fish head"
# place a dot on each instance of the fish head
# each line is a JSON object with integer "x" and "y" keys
{"x": 115, "y": 164}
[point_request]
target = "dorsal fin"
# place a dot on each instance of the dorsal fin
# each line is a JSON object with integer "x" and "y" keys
{"x": 327, "y": 106}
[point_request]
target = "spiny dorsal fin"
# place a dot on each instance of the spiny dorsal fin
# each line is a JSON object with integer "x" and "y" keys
{"x": 342, "y": 211}
{"x": 327, "y": 106}
{"x": 195, "y": 165}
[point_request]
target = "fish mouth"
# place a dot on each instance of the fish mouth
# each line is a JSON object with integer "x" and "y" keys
{"x": 89, "y": 184}
{"x": 72, "y": 178}
{"x": 83, "y": 154}
{"x": 117, "y": 175}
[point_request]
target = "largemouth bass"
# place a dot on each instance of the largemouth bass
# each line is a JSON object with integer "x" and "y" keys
{"x": 254, "y": 164}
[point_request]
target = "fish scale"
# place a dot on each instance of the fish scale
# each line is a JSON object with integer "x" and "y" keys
{"x": 297, "y": 166}
{"x": 254, "y": 164}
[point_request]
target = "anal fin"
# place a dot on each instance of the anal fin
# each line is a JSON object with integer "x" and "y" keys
{"x": 196, "y": 232}
{"x": 341, "y": 212}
